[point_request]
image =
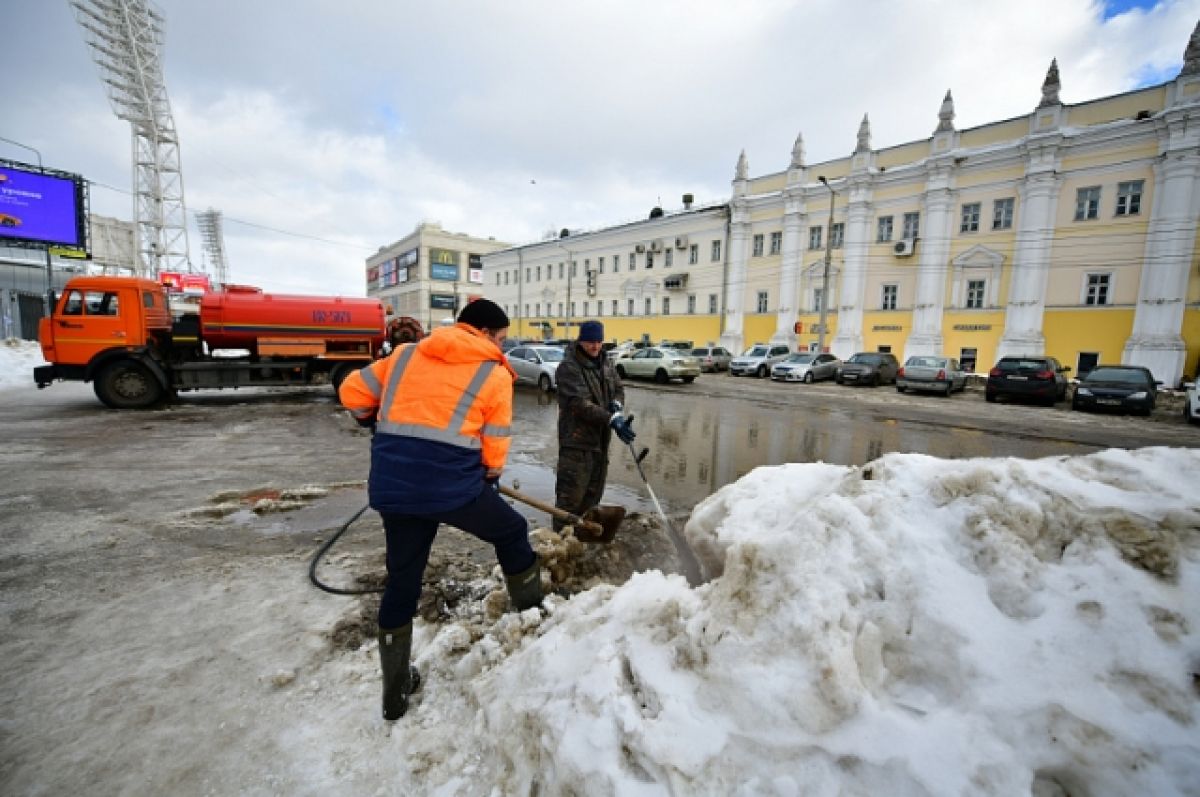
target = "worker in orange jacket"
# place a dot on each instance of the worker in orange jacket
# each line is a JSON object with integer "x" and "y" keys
{"x": 441, "y": 410}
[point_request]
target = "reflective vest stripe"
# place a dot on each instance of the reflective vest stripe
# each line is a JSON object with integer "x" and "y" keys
{"x": 398, "y": 367}
{"x": 427, "y": 433}
{"x": 470, "y": 393}
{"x": 496, "y": 431}
{"x": 371, "y": 381}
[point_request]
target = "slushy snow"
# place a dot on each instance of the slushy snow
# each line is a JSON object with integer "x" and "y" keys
{"x": 18, "y": 358}
{"x": 916, "y": 626}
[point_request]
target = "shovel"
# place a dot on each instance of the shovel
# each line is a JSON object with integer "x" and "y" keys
{"x": 597, "y": 525}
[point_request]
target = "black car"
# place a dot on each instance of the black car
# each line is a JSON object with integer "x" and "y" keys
{"x": 1039, "y": 378}
{"x": 1126, "y": 388}
{"x": 872, "y": 368}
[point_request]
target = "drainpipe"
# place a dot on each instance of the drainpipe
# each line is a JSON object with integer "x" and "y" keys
{"x": 725, "y": 271}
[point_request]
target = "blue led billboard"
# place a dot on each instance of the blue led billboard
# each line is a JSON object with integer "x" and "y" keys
{"x": 41, "y": 206}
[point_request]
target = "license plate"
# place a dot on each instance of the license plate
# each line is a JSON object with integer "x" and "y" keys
{"x": 1108, "y": 401}
{"x": 1019, "y": 378}
{"x": 850, "y": 377}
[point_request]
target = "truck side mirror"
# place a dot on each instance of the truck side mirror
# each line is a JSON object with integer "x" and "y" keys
{"x": 52, "y": 295}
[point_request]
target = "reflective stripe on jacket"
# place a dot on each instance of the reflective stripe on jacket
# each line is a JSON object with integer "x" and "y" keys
{"x": 443, "y": 410}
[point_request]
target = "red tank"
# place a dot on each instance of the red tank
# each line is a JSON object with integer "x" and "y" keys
{"x": 238, "y": 317}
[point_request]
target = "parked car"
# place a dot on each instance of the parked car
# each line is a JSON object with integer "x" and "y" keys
{"x": 1117, "y": 387}
{"x": 712, "y": 358}
{"x": 758, "y": 360}
{"x": 681, "y": 345}
{"x": 872, "y": 368}
{"x": 537, "y": 365}
{"x": 1040, "y": 378}
{"x": 938, "y": 374}
{"x": 661, "y": 365}
{"x": 805, "y": 367}
{"x": 1191, "y": 407}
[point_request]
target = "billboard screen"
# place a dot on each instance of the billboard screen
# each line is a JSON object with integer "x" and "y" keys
{"x": 440, "y": 271}
{"x": 41, "y": 206}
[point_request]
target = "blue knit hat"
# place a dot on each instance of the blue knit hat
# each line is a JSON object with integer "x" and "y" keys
{"x": 591, "y": 332}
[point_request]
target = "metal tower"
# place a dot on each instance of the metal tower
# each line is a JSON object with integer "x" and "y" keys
{"x": 126, "y": 38}
{"x": 209, "y": 222}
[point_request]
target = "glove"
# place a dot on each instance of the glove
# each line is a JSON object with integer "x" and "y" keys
{"x": 614, "y": 406}
{"x": 622, "y": 426}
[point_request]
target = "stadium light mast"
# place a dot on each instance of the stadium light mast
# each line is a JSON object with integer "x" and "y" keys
{"x": 126, "y": 38}
{"x": 213, "y": 239}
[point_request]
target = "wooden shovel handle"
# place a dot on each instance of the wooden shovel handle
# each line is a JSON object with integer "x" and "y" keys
{"x": 553, "y": 511}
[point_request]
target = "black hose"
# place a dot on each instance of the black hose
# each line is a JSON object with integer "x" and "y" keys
{"x": 316, "y": 560}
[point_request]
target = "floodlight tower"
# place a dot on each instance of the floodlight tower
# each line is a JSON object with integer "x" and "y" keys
{"x": 126, "y": 38}
{"x": 213, "y": 238}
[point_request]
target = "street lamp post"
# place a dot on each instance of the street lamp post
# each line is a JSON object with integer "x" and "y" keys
{"x": 825, "y": 271}
{"x": 46, "y": 247}
{"x": 570, "y": 273}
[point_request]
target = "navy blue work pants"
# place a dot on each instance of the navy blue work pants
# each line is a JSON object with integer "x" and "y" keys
{"x": 410, "y": 537}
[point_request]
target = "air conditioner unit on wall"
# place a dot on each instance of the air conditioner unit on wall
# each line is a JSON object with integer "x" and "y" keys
{"x": 904, "y": 248}
{"x": 640, "y": 248}
{"x": 656, "y": 246}
{"x": 681, "y": 242}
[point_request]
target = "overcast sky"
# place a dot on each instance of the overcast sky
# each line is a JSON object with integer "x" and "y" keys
{"x": 352, "y": 121}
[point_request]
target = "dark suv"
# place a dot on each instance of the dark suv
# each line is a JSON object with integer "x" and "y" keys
{"x": 872, "y": 368}
{"x": 1039, "y": 378}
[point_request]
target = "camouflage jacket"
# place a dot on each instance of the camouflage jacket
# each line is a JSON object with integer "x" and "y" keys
{"x": 585, "y": 387}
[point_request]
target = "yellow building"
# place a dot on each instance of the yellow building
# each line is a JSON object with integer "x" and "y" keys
{"x": 1070, "y": 231}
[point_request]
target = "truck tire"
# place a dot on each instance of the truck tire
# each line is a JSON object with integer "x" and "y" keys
{"x": 128, "y": 385}
{"x": 341, "y": 371}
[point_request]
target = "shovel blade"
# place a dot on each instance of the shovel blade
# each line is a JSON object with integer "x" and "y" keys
{"x": 608, "y": 518}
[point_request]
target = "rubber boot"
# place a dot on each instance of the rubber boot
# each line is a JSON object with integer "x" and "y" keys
{"x": 400, "y": 678}
{"x": 525, "y": 588}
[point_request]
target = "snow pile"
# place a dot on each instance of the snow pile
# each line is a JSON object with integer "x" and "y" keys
{"x": 18, "y": 358}
{"x": 917, "y": 626}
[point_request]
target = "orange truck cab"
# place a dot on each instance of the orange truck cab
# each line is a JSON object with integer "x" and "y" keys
{"x": 119, "y": 334}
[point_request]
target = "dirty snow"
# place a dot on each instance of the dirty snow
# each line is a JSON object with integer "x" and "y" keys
{"x": 917, "y": 626}
{"x": 18, "y": 358}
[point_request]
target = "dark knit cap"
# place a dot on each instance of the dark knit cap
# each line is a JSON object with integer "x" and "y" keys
{"x": 591, "y": 332}
{"x": 483, "y": 314}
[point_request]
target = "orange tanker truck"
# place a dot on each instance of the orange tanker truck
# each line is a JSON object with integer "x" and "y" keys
{"x": 118, "y": 333}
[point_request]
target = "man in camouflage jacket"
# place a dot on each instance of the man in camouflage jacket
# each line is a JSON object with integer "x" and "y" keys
{"x": 590, "y": 401}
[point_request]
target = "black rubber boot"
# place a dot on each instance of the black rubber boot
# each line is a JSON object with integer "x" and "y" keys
{"x": 525, "y": 588}
{"x": 400, "y": 678}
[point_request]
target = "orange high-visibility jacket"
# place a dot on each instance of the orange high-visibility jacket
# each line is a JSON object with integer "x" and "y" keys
{"x": 453, "y": 387}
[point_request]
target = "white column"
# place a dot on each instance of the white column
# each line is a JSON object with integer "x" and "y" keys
{"x": 789, "y": 273}
{"x": 1031, "y": 259}
{"x": 1156, "y": 341}
{"x": 733, "y": 337}
{"x": 852, "y": 294}
{"x": 934, "y": 252}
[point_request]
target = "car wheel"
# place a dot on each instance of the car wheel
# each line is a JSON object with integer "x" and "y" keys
{"x": 990, "y": 398}
{"x": 838, "y": 379}
{"x": 808, "y": 378}
{"x": 687, "y": 380}
{"x": 762, "y": 371}
{"x": 875, "y": 380}
{"x": 661, "y": 377}
{"x": 544, "y": 383}
{"x": 949, "y": 389}
{"x": 1075, "y": 406}
{"x": 621, "y": 371}
{"x": 900, "y": 388}
{"x": 1191, "y": 417}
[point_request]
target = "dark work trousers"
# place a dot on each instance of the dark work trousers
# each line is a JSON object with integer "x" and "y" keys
{"x": 579, "y": 482}
{"x": 410, "y": 537}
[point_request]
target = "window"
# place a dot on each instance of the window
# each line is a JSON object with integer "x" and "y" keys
{"x": 837, "y": 235}
{"x": 1087, "y": 203}
{"x": 883, "y": 229}
{"x": 693, "y": 254}
{"x": 888, "y": 302}
{"x": 1087, "y": 361}
{"x": 967, "y": 359}
{"x": 762, "y": 301}
{"x": 912, "y": 226}
{"x": 528, "y": 274}
{"x": 668, "y": 256}
{"x": 560, "y": 308}
{"x": 599, "y": 308}
{"x": 614, "y": 307}
{"x": 712, "y": 303}
{"x": 616, "y": 263}
{"x": 649, "y": 306}
{"x": 585, "y": 309}
{"x": 758, "y": 245}
{"x": 600, "y": 265}
{"x": 498, "y": 277}
{"x": 776, "y": 242}
{"x": 970, "y": 218}
{"x": 572, "y": 309}
{"x": 975, "y": 292}
{"x": 1002, "y": 214}
{"x": 95, "y": 303}
{"x": 1129, "y": 198}
{"x": 527, "y": 309}
{"x": 666, "y": 305}
{"x": 692, "y": 304}
{"x": 632, "y": 261}
{"x": 1097, "y": 289}
{"x": 506, "y": 278}
{"x": 649, "y": 260}
{"x": 537, "y": 309}
{"x": 574, "y": 270}
{"x": 631, "y": 306}
{"x": 538, "y": 274}
{"x": 716, "y": 251}
{"x": 818, "y": 298}
{"x": 814, "y": 237}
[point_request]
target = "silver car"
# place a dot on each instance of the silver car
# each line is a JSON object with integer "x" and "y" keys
{"x": 712, "y": 358}
{"x": 536, "y": 365}
{"x": 938, "y": 374}
{"x": 805, "y": 367}
{"x": 758, "y": 360}
{"x": 661, "y": 365}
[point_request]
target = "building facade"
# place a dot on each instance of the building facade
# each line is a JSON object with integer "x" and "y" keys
{"x": 1070, "y": 231}
{"x": 430, "y": 273}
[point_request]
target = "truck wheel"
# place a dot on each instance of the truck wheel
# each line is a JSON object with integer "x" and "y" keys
{"x": 128, "y": 385}
{"x": 340, "y": 372}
